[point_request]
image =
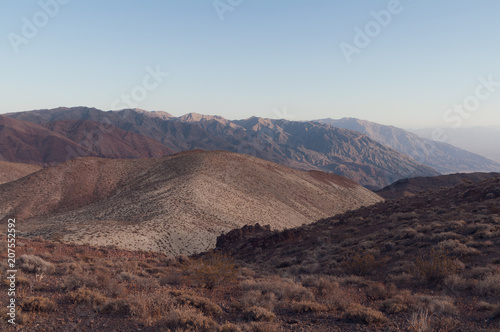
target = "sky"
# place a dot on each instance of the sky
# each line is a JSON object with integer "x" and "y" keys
{"x": 408, "y": 63}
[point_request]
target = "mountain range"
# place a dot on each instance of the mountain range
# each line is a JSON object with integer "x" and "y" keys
{"x": 371, "y": 154}
{"x": 480, "y": 140}
{"x": 302, "y": 145}
{"x": 441, "y": 156}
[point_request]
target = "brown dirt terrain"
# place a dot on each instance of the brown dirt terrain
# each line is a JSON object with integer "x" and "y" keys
{"x": 430, "y": 262}
{"x": 13, "y": 171}
{"x": 177, "y": 204}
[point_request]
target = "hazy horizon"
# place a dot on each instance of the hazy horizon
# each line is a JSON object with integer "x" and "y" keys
{"x": 404, "y": 63}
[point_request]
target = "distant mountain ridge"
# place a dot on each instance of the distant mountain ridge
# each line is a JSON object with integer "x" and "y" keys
{"x": 302, "y": 145}
{"x": 443, "y": 157}
{"x": 480, "y": 140}
{"x": 413, "y": 186}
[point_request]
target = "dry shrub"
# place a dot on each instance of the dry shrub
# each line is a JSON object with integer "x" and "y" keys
{"x": 255, "y": 297}
{"x": 4, "y": 317}
{"x": 258, "y": 314}
{"x": 485, "y": 306}
{"x": 398, "y": 303}
{"x": 212, "y": 270}
{"x": 435, "y": 266}
{"x": 446, "y": 324}
{"x": 202, "y": 303}
{"x": 307, "y": 306}
{"x": 75, "y": 281}
{"x": 65, "y": 268}
{"x": 140, "y": 282}
{"x": 35, "y": 264}
{"x": 264, "y": 327}
{"x": 489, "y": 285}
{"x": 436, "y": 305}
{"x": 496, "y": 312}
{"x": 85, "y": 295}
{"x": 457, "y": 283}
{"x": 436, "y": 237}
{"x": 185, "y": 319}
{"x": 245, "y": 272}
{"x": 362, "y": 264}
{"x": 38, "y": 303}
{"x": 119, "y": 307}
{"x": 321, "y": 283}
{"x": 478, "y": 272}
{"x": 403, "y": 277}
{"x": 172, "y": 277}
{"x": 379, "y": 291}
{"x": 116, "y": 289}
{"x": 149, "y": 308}
{"x": 406, "y": 233}
{"x": 230, "y": 327}
{"x": 20, "y": 280}
{"x": 420, "y": 322}
{"x": 358, "y": 313}
{"x": 455, "y": 247}
{"x": 338, "y": 299}
{"x": 284, "y": 289}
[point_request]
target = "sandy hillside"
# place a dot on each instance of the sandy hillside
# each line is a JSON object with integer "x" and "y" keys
{"x": 178, "y": 204}
{"x": 13, "y": 171}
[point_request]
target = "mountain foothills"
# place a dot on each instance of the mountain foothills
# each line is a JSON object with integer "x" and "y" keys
{"x": 301, "y": 145}
{"x": 177, "y": 204}
{"x": 441, "y": 156}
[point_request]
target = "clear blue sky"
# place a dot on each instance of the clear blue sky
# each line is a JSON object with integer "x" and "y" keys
{"x": 266, "y": 58}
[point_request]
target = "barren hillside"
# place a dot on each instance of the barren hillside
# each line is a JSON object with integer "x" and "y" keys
{"x": 13, "y": 171}
{"x": 177, "y": 204}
